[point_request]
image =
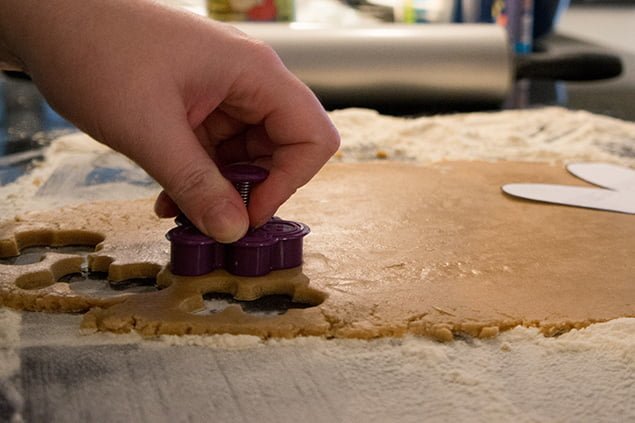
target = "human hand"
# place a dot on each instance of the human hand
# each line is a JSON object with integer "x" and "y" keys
{"x": 180, "y": 95}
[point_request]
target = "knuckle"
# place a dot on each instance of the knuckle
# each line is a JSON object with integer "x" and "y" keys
{"x": 332, "y": 141}
{"x": 327, "y": 140}
{"x": 264, "y": 51}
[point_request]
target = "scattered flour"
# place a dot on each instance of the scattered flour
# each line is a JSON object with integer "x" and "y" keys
{"x": 9, "y": 339}
{"x": 62, "y": 177}
{"x": 234, "y": 342}
{"x": 10, "y": 392}
{"x": 541, "y": 135}
{"x": 582, "y": 375}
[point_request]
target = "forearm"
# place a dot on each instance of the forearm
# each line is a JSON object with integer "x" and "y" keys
{"x": 77, "y": 52}
{"x": 33, "y": 32}
{"x": 38, "y": 34}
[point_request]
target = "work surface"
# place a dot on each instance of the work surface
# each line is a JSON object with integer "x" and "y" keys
{"x": 49, "y": 372}
{"x": 61, "y": 377}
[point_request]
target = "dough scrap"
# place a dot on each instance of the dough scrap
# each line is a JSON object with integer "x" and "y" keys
{"x": 122, "y": 232}
{"x": 434, "y": 250}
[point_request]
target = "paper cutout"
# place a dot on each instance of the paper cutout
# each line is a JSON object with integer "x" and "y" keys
{"x": 610, "y": 176}
{"x": 617, "y": 193}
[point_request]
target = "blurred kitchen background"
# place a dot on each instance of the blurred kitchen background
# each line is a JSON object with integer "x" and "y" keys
{"x": 406, "y": 57}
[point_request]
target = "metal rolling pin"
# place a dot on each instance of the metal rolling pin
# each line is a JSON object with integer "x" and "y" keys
{"x": 394, "y": 63}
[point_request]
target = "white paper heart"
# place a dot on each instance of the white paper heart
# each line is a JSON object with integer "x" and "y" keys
{"x": 617, "y": 193}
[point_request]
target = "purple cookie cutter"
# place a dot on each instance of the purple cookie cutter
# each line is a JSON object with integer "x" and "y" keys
{"x": 276, "y": 245}
{"x": 193, "y": 253}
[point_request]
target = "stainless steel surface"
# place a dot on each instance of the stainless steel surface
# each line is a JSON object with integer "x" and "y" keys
{"x": 394, "y": 63}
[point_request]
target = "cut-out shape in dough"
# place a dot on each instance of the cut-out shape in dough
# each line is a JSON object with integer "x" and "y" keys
{"x": 432, "y": 250}
{"x": 268, "y": 305}
{"x": 30, "y": 255}
{"x": 36, "y": 286}
{"x": 96, "y": 284}
{"x": 36, "y": 235}
{"x": 177, "y": 307}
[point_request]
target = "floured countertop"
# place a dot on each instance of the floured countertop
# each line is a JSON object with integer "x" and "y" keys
{"x": 48, "y": 371}
{"x": 584, "y": 375}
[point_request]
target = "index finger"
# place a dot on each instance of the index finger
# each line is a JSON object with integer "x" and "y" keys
{"x": 294, "y": 120}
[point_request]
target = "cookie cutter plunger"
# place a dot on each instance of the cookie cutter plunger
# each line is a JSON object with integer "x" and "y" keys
{"x": 244, "y": 177}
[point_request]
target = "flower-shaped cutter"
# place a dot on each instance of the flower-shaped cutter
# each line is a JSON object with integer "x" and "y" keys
{"x": 276, "y": 245}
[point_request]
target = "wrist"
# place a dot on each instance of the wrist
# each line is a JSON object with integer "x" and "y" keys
{"x": 11, "y": 22}
{"x": 9, "y": 61}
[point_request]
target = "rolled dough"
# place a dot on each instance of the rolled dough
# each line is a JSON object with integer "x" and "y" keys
{"x": 395, "y": 248}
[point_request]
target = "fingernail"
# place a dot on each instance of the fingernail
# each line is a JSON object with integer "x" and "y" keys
{"x": 161, "y": 209}
{"x": 164, "y": 206}
{"x": 226, "y": 222}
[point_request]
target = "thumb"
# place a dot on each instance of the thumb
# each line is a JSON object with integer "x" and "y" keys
{"x": 176, "y": 159}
